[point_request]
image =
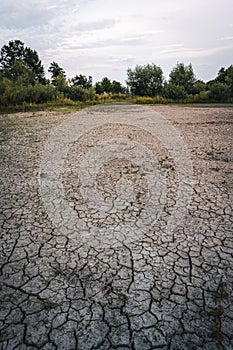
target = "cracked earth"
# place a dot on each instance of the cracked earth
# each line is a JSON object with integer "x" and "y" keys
{"x": 120, "y": 280}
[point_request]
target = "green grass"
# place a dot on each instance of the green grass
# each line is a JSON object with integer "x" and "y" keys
{"x": 66, "y": 105}
{"x": 60, "y": 106}
{"x": 49, "y": 304}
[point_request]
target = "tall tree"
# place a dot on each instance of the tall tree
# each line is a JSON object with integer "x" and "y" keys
{"x": 221, "y": 75}
{"x": 182, "y": 75}
{"x": 82, "y": 81}
{"x": 15, "y": 54}
{"x": 225, "y": 76}
{"x": 145, "y": 80}
{"x": 229, "y": 79}
{"x": 104, "y": 85}
{"x": 57, "y": 73}
{"x": 117, "y": 87}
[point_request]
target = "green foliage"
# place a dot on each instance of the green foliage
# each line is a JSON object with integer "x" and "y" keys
{"x": 144, "y": 100}
{"x": 183, "y": 76}
{"x": 81, "y": 81}
{"x": 106, "y": 86}
{"x": 49, "y": 304}
{"x": 174, "y": 92}
{"x": 57, "y": 73}
{"x": 199, "y": 86}
{"x": 61, "y": 83}
{"x": 15, "y": 57}
{"x": 150, "y": 100}
{"x": 22, "y": 82}
{"x": 119, "y": 96}
{"x": 117, "y": 88}
{"x": 98, "y": 88}
{"x": 77, "y": 93}
{"x": 225, "y": 76}
{"x": 219, "y": 91}
{"x": 145, "y": 80}
{"x": 221, "y": 75}
{"x": 16, "y": 92}
{"x": 229, "y": 79}
{"x": 203, "y": 96}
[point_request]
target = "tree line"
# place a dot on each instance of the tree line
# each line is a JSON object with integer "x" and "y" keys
{"x": 23, "y": 80}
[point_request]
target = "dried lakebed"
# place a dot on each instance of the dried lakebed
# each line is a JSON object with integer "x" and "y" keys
{"x": 116, "y": 229}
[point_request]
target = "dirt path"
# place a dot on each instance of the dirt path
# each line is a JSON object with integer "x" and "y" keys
{"x": 116, "y": 229}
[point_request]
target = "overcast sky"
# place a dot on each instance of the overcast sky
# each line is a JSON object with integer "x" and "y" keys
{"x": 105, "y": 37}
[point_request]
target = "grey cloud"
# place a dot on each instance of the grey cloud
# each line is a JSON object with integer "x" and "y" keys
{"x": 107, "y": 43}
{"x": 26, "y": 14}
{"x": 227, "y": 38}
{"x": 127, "y": 41}
{"x": 92, "y": 26}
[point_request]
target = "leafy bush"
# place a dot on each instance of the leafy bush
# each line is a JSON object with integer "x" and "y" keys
{"x": 203, "y": 96}
{"x": 150, "y": 100}
{"x": 143, "y": 100}
{"x": 16, "y": 93}
{"x": 77, "y": 93}
{"x": 174, "y": 92}
{"x": 199, "y": 86}
{"x": 219, "y": 91}
{"x": 119, "y": 96}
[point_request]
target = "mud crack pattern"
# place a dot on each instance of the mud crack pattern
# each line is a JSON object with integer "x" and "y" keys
{"x": 153, "y": 291}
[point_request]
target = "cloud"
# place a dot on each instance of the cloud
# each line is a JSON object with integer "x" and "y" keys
{"x": 93, "y": 25}
{"x": 117, "y": 40}
{"x": 27, "y": 13}
{"x": 103, "y": 37}
{"x": 226, "y": 38}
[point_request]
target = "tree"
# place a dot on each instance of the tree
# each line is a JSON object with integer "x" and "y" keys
{"x": 57, "y": 73}
{"x": 117, "y": 88}
{"x": 219, "y": 91}
{"x": 104, "y": 85}
{"x": 98, "y": 88}
{"x": 82, "y": 81}
{"x": 229, "y": 79}
{"x": 77, "y": 93}
{"x": 145, "y": 80}
{"x": 199, "y": 86}
{"x": 174, "y": 92}
{"x": 225, "y": 76}
{"x": 22, "y": 75}
{"x": 61, "y": 83}
{"x": 15, "y": 55}
{"x": 221, "y": 75}
{"x": 182, "y": 75}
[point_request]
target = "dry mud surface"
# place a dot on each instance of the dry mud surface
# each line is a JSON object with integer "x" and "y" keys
{"x": 116, "y": 229}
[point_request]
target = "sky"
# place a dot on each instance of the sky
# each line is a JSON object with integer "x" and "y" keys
{"x": 106, "y": 37}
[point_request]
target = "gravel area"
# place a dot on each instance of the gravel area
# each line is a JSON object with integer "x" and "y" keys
{"x": 116, "y": 229}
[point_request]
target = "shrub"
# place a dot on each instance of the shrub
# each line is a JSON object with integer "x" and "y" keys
{"x": 143, "y": 100}
{"x": 219, "y": 91}
{"x": 201, "y": 97}
{"x": 174, "y": 92}
{"x": 77, "y": 93}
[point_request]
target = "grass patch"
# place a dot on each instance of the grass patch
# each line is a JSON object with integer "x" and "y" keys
{"x": 65, "y": 105}
{"x": 49, "y": 304}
